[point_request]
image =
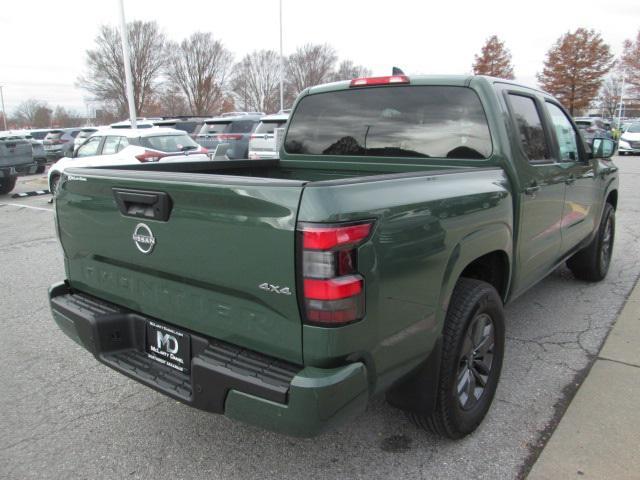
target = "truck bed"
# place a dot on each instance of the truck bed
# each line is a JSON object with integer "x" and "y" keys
{"x": 278, "y": 170}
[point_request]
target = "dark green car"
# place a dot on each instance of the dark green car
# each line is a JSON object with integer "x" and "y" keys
{"x": 374, "y": 257}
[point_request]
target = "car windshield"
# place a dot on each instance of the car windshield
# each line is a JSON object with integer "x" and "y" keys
{"x": 634, "y": 128}
{"x": 269, "y": 126}
{"x": 399, "y": 121}
{"x": 169, "y": 143}
{"x": 85, "y": 134}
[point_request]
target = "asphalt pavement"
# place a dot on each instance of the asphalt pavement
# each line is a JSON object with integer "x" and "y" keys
{"x": 64, "y": 415}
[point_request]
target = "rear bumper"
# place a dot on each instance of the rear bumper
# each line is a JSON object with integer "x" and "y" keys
{"x": 224, "y": 378}
{"x": 6, "y": 172}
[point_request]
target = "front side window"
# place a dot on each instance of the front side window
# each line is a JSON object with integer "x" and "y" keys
{"x": 565, "y": 133}
{"x": 530, "y": 128}
{"x": 90, "y": 148}
{"x": 399, "y": 121}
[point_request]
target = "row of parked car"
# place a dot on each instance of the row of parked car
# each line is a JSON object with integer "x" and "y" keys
{"x": 233, "y": 135}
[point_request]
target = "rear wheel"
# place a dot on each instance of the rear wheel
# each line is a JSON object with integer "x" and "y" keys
{"x": 40, "y": 168}
{"x": 7, "y": 184}
{"x": 472, "y": 352}
{"x": 592, "y": 262}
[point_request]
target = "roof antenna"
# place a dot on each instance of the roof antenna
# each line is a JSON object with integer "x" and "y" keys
{"x": 397, "y": 71}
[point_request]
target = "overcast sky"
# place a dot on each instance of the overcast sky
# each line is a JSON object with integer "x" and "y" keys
{"x": 44, "y": 42}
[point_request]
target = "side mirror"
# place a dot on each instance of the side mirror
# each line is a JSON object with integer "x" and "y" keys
{"x": 602, "y": 148}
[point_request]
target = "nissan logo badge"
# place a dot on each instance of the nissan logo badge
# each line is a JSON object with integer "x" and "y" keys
{"x": 143, "y": 238}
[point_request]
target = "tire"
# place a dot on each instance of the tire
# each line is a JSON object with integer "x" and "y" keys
{"x": 53, "y": 184}
{"x": 592, "y": 262}
{"x": 7, "y": 184}
{"x": 475, "y": 317}
{"x": 40, "y": 169}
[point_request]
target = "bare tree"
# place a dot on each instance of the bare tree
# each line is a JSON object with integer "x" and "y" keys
{"x": 494, "y": 60}
{"x": 309, "y": 65}
{"x": 630, "y": 64}
{"x": 609, "y": 95}
{"x": 574, "y": 68}
{"x": 256, "y": 81}
{"x": 199, "y": 67}
{"x": 348, "y": 70}
{"x": 33, "y": 113}
{"x": 105, "y": 66}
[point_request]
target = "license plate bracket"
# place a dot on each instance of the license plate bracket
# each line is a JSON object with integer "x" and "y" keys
{"x": 168, "y": 346}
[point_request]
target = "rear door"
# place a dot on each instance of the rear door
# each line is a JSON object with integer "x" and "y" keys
{"x": 541, "y": 195}
{"x": 222, "y": 263}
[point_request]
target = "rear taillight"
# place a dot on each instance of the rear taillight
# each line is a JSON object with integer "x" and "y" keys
{"x": 59, "y": 141}
{"x": 591, "y": 129}
{"x": 229, "y": 136}
{"x": 150, "y": 156}
{"x": 332, "y": 288}
{"x": 369, "y": 81}
{"x": 203, "y": 150}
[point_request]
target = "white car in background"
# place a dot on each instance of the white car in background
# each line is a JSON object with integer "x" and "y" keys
{"x": 262, "y": 144}
{"x": 630, "y": 139}
{"x": 126, "y": 146}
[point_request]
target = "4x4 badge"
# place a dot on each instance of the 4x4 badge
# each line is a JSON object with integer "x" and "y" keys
{"x": 267, "y": 287}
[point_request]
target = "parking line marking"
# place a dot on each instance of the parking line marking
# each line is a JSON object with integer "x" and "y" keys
{"x": 27, "y": 206}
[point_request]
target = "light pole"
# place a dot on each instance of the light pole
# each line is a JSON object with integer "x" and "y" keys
{"x": 621, "y": 100}
{"x": 127, "y": 65}
{"x": 4, "y": 114}
{"x": 281, "y": 64}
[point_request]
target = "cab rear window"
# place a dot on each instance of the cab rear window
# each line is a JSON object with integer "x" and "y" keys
{"x": 399, "y": 121}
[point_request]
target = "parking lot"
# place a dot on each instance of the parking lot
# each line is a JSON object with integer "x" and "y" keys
{"x": 64, "y": 415}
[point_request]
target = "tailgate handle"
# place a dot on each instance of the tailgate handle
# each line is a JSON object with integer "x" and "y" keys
{"x": 143, "y": 204}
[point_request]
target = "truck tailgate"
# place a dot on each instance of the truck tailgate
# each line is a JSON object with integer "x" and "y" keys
{"x": 222, "y": 264}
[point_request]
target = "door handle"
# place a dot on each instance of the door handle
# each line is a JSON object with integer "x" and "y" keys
{"x": 532, "y": 190}
{"x": 143, "y": 204}
{"x": 570, "y": 180}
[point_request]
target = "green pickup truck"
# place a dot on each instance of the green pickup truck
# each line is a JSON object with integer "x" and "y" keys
{"x": 375, "y": 256}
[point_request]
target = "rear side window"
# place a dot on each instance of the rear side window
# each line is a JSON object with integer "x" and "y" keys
{"x": 213, "y": 128}
{"x": 269, "y": 127}
{"x": 169, "y": 143}
{"x": 399, "y": 121}
{"x": 566, "y": 135}
{"x": 530, "y": 128}
{"x": 110, "y": 145}
{"x": 242, "y": 126}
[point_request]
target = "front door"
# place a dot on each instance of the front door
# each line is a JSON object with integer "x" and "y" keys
{"x": 582, "y": 197}
{"x": 541, "y": 191}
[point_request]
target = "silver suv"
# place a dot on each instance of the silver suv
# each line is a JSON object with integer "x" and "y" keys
{"x": 59, "y": 143}
{"x": 262, "y": 144}
{"x": 234, "y": 129}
